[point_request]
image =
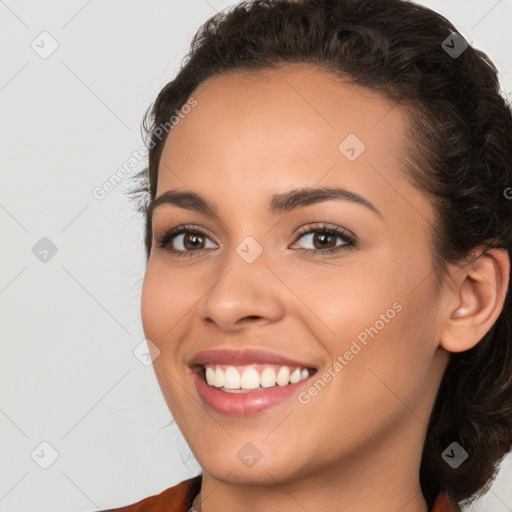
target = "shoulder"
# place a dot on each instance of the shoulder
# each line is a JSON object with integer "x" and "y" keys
{"x": 174, "y": 499}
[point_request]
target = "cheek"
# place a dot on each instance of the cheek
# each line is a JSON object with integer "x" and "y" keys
{"x": 370, "y": 318}
{"x": 390, "y": 372}
{"x": 342, "y": 301}
{"x": 163, "y": 310}
{"x": 151, "y": 305}
{"x": 162, "y": 304}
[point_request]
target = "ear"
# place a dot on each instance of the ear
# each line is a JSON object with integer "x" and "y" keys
{"x": 475, "y": 300}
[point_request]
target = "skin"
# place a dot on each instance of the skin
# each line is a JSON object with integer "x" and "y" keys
{"x": 356, "y": 446}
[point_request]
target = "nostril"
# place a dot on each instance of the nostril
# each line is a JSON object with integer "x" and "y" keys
{"x": 250, "y": 317}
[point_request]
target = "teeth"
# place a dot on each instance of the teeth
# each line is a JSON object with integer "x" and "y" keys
{"x": 295, "y": 376}
{"x": 250, "y": 379}
{"x": 283, "y": 376}
{"x": 210, "y": 376}
{"x": 256, "y": 376}
{"x": 268, "y": 377}
{"x": 219, "y": 378}
{"x": 231, "y": 378}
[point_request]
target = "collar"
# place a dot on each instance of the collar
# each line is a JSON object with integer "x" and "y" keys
{"x": 445, "y": 502}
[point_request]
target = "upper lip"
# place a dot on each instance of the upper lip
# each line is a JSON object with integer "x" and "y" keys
{"x": 243, "y": 357}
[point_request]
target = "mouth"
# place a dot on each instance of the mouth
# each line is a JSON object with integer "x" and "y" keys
{"x": 247, "y": 382}
{"x": 251, "y": 377}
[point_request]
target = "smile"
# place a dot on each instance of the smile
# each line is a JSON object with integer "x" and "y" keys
{"x": 234, "y": 379}
{"x": 243, "y": 382}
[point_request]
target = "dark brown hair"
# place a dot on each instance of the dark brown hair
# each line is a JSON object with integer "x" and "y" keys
{"x": 461, "y": 158}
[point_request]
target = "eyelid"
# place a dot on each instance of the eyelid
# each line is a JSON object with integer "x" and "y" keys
{"x": 349, "y": 238}
{"x": 172, "y": 233}
{"x": 321, "y": 226}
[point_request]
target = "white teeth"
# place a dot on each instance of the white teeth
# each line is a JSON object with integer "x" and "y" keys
{"x": 219, "y": 378}
{"x": 210, "y": 376}
{"x": 231, "y": 378}
{"x": 295, "y": 376}
{"x": 283, "y": 376}
{"x": 268, "y": 377}
{"x": 248, "y": 377}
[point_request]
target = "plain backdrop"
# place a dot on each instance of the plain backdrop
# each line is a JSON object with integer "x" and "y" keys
{"x": 83, "y": 425}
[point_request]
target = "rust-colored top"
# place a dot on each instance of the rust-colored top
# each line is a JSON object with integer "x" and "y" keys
{"x": 179, "y": 499}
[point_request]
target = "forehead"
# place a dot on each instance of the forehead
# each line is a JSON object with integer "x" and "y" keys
{"x": 300, "y": 98}
{"x": 265, "y": 132}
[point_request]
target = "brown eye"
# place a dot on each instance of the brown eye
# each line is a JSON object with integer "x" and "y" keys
{"x": 325, "y": 239}
{"x": 185, "y": 240}
{"x": 193, "y": 241}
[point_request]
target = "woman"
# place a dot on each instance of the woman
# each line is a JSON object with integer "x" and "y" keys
{"x": 328, "y": 268}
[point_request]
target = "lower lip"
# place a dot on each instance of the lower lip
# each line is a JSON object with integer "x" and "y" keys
{"x": 242, "y": 404}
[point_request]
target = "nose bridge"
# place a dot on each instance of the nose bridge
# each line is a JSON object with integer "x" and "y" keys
{"x": 244, "y": 287}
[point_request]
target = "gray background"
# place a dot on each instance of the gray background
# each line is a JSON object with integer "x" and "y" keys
{"x": 71, "y": 323}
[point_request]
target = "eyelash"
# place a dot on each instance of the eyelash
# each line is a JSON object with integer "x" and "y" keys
{"x": 350, "y": 240}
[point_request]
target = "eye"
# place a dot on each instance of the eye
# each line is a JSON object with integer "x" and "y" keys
{"x": 184, "y": 239}
{"x": 187, "y": 239}
{"x": 324, "y": 236}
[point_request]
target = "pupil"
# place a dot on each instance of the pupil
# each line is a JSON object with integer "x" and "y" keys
{"x": 323, "y": 237}
{"x": 195, "y": 238}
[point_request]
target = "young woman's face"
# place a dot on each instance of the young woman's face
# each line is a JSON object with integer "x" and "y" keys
{"x": 359, "y": 306}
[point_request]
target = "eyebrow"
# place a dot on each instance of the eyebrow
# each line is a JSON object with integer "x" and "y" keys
{"x": 279, "y": 203}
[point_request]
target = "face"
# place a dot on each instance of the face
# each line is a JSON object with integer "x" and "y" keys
{"x": 342, "y": 284}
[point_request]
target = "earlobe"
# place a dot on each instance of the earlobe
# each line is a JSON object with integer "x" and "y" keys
{"x": 478, "y": 299}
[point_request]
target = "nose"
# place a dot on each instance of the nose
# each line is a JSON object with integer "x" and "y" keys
{"x": 243, "y": 294}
